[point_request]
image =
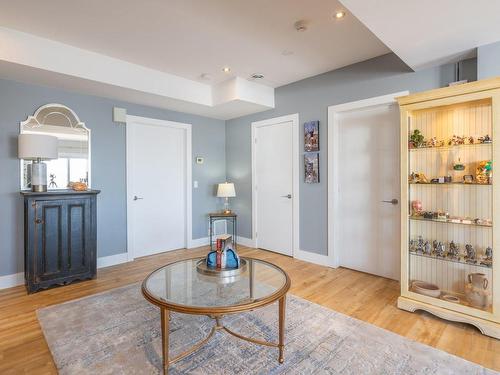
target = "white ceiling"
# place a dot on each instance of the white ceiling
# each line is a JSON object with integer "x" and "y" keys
{"x": 430, "y": 32}
{"x": 191, "y": 37}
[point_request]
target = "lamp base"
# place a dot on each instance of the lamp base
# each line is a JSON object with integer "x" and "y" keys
{"x": 38, "y": 176}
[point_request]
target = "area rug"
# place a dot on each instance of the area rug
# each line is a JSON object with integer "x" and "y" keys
{"x": 118, "y": 332}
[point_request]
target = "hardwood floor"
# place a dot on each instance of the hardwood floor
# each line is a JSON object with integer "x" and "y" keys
{"x": 370, "y": 298}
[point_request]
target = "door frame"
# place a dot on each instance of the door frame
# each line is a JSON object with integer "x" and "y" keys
{"x": 137, "y": 120}
{"x": 294, "y": 119}
{"x": 333, "y": 156}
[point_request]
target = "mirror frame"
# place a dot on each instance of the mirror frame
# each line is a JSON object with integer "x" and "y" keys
{"x": 33, "y": 118}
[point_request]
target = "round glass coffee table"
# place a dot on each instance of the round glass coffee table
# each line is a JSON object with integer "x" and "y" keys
{"x": 182, "y": 287}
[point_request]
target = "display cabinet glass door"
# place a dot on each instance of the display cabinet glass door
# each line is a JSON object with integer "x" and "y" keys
{"x": 450, "y": 191}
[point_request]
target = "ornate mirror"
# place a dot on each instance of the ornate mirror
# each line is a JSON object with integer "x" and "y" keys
{"x": 73, "y": 163}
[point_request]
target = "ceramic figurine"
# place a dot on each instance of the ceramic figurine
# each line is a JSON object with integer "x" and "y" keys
{"x": 416, "y": 207}
{"x": 420, "y": 245}
{"x": 487, "y": 259}
{"x": 471, "y": 140}
{"x": 488, "y": 253}
{"x": 442, "y": 215}
{"x": 454, "y": 251}
{"x": 413, "y": 245}
{"x": 470, "y": 253}
{"x": 441, "y": 250}
{"x": 433, "y": 142}
{"x": 428, "y": 215}
{"x": 427, "y": 248}
{"x": 485, "y": 139}
{"x": 484, "y": 172}
{"x": 434, "y": 245}
{"x": 418, "y": 178}
{"x": 52, "y": 183}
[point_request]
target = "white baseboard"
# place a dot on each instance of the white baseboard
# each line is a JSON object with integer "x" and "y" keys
{"x": 8, "y": 281}
{"x": 205, "y": 242}
{"x": 112, "y": 260}
{"x": 198, "y": 242}
{"x": 322, "y": 260}
{"x": 249, "y": 242}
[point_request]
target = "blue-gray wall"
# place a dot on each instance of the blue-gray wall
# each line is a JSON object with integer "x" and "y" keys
{"x": 311, "y": 98}
{"x": 488, "y": 61}
{"x": 18, "y": 100}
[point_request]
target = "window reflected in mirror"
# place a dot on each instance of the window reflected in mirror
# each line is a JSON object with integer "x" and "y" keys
{"x": 73, "y": 163}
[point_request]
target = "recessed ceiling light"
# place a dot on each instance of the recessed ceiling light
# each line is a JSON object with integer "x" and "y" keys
{"x": 300, "y": 26}
{"x": 206, "y": 76}
{"x": 287, "y": 52}
{"x": 257, "y": 76}
{"x": 340, "y": 14}
{"x": 226, "y": 69}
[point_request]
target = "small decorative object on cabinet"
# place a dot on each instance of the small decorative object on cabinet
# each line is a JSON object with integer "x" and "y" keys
{"x": 59, "y": 237}
{"x": 457, "y": 208}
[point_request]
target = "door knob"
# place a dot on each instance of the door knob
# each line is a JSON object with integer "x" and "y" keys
{"x": 289, "y": 196}
{"x": 392, "y": 201}
{"x": 136, "y": 198}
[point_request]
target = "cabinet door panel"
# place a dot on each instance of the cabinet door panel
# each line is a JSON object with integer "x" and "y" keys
{"x": 50, "y": 226}
{"x": 78, "y": 235}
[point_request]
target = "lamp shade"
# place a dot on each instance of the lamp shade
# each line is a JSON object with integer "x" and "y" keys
{"x": 37, "y": 146}
{"x": 226, "y": 190}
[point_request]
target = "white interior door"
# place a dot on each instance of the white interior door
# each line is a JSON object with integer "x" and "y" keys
{"x": 273, "y": 185}
{"x": 157, "y": 199}
{"x": 368, "y": 175}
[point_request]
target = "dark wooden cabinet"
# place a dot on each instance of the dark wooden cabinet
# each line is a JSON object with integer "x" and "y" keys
{"x": 60, "y": 237}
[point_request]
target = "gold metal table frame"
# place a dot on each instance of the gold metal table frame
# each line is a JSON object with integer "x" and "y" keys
{"x": 217, "y": 313}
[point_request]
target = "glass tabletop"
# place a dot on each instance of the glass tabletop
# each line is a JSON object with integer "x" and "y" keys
{"x": 181, "y": 283}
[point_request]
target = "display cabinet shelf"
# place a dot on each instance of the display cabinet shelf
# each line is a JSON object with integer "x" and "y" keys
{"x": 450, "y": 183}
{"x": 448, "y": 221}
{"x": 451, "y": 147}
{"x": 460, "y": 260}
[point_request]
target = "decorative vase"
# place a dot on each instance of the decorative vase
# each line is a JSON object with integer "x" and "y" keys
{"x": 476, "y": 290}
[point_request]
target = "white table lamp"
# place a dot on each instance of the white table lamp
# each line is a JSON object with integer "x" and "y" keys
{"x": 226, "y": 190}
{"x": 37, "y": 147}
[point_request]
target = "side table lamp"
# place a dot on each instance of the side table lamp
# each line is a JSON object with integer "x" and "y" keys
{"x": 37, "y": 147}
{"x": 226, "y": 190}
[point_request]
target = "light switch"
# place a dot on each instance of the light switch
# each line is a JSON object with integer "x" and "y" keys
{"x": 195, "y": 184}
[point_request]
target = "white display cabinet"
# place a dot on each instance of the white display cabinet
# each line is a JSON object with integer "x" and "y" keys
{"x": 451, "y": 204}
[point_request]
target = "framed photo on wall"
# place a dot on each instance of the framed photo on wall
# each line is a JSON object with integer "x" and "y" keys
{"x": 311, "y": 136}
{"x": 311, "y": 168}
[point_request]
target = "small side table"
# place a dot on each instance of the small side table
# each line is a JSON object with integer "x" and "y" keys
{"x": 218, "y": 216}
